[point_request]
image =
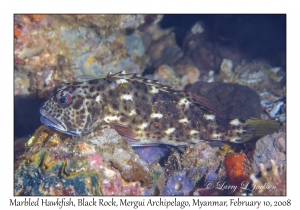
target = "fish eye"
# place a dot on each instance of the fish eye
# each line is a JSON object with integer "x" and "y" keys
{"x": 64, "y": 100}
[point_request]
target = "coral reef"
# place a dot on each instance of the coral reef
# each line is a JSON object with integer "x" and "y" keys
{"x": 187, "y": 75}
{"x": 271, "y": 147}
{"x": 167, "y": 58}
{"x": 179, "y": 184}
{"x": 271, "y": 181}
{"x": 237, "y": 168}
{"x": 53, "y": 49}
{"x": 259, "y": 76}
{"x": 210, "y": 59}
{"x": 275, "y": 109}
{"x": 152, "y": 155}
{"x": 202, "y": 156}
{"x": 102, "y": 161}
{"x": 40, "y": 176}
{"x": 164, "y": 51}
{"x": 22, "y": 83}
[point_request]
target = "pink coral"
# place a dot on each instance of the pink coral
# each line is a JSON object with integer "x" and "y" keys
{"x": 96, "y": 161}
{"x": 116, "y": 185}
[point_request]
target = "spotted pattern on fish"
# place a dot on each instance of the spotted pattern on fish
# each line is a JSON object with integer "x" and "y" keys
{"x": 143, "y": 111}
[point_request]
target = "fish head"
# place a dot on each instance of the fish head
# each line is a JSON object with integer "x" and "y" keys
{"x": 72, "y": 110}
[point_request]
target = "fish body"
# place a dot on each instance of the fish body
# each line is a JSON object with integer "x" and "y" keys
{"x": 144, "y": 112}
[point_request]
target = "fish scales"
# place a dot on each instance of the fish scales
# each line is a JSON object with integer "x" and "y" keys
{"x": 143, "y": 112}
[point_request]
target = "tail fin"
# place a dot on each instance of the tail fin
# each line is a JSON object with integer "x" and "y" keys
{"x": 257, "y": 128}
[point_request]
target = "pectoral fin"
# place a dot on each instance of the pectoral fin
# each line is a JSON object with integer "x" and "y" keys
{"x": 125, "y": 132}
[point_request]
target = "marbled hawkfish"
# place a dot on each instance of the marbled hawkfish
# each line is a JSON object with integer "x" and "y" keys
{"x": 144, "y": 112}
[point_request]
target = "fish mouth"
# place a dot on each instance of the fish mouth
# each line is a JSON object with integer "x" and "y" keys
{"x": 48, "y": 120}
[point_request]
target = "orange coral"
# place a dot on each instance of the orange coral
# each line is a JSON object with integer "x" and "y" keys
{"x": 37, "y": 18}
{"x": 236, "y": 168}
{"x": 17, "y": 32}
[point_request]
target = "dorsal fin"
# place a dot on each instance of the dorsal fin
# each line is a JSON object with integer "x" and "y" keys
{"x": 118, "y": 74}
{"x": 123, "y": 75}
{"x": 84, "y": 78}
{"x": 109, "y": 74}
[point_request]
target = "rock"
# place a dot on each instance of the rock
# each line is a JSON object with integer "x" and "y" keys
{"x": 232, "y": 100}
{"x": 99, "y": 163}
{"x": 267, "y": 148}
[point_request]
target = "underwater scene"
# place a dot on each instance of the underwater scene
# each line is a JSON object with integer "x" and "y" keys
{"x": 137, "y": 104}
